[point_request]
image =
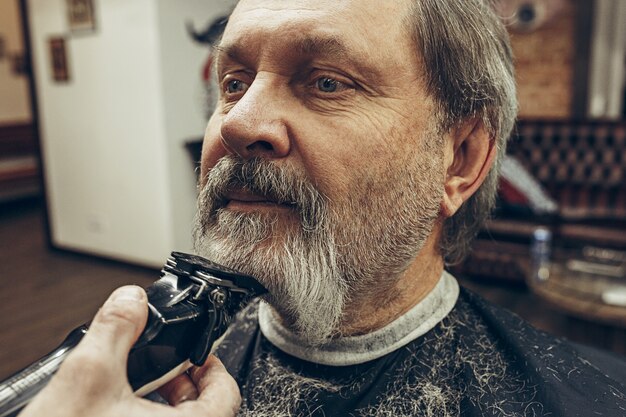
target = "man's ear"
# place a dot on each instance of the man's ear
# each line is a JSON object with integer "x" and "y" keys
{"x": 470, "y": 153}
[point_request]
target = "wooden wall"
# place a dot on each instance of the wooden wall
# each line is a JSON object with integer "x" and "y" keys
{"x": 545, "y": 66}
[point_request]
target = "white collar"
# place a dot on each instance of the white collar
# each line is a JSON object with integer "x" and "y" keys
{"x": 352, "y": 350}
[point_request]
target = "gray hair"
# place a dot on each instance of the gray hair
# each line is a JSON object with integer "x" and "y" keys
{"x": 469, "y": 73}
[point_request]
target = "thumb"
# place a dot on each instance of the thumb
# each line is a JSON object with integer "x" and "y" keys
{"x": 118, "y": 324}
{"x": 94, "y": 373}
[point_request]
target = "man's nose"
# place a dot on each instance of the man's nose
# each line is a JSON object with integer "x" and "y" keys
{"x": 256, "y": 124}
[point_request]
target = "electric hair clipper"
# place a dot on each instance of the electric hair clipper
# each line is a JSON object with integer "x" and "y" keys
{"x": 190, "y": 308}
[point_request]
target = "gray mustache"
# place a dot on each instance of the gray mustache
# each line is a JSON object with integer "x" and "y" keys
{"x": 263, "y": 177}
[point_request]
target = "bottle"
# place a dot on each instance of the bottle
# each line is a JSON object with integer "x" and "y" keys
{"x": 540, "y": 251}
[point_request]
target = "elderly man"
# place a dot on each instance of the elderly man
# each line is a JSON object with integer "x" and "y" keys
{"x": 352, "y": 153}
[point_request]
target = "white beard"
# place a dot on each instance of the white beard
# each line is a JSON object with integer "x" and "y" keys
{"x": 338, "y": 251}
{"x": 303, "y": 282}
{"x": 298, "y": 264}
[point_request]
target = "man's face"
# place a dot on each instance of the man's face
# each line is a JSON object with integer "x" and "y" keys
{"x": 322, "y": 170}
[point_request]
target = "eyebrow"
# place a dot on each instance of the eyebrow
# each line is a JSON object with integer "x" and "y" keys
{"x": 326, "y": 46}
{"x": 307, "y": 45}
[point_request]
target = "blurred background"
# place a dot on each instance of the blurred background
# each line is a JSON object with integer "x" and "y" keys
{"x": 103, "y": 104}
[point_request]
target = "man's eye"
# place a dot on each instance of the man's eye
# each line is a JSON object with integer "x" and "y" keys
{"x": 236, "y": 87}
{"x": 328, "y": 85}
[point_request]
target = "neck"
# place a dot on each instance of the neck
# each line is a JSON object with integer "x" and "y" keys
{"x": 352, "y": 350}
{"x": 380, "y": 305}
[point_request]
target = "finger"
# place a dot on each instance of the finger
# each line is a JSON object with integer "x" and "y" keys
{"x": 118, "y": 323}
{"x": 178, "y": 390}
{"x": 219, "y": 393}
{"x": 95, "y": 371}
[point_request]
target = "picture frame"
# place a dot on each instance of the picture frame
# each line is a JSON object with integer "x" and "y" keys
{"x": 18, "y": 64}
{"x": 58, "y": 59}
{"x": 81, "y": 15}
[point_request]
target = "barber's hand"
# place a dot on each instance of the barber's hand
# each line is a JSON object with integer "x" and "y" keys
{"x": 92, "y": 380}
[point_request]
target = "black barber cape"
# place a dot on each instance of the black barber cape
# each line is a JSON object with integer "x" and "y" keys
{"x": 480, "y": 360}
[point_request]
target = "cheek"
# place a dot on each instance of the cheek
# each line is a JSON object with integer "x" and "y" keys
{"x": 343, "y": 156}
{"x": 212, "y": 147}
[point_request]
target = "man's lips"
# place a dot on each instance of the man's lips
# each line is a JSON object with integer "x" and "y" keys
{"x": 239, "y": 199}
{"x": 248, "y": 197}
